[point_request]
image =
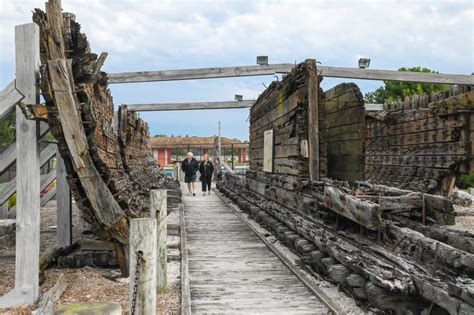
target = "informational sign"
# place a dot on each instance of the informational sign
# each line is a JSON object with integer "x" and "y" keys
{"x": 268, "y": 151}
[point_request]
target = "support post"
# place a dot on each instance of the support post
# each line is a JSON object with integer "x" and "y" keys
{"x": 158, "y": 207}
{"x": 28, "y": 201}
{"x": 64, "y": 204}
{"x": 313, "y": 118}
{"x": 143, "y": 239}
{"x": 232, "y": 148}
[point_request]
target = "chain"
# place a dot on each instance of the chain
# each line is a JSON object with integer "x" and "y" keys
{"x": 135, "y": 282}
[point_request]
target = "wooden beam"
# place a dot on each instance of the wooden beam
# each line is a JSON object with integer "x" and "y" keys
{"x": 10, "y": 188}
{"x": 158, "y": 209}
{"x": 200, "y": 73}
{"x": 326, "y": 71}
{"x": 64, "y": 204}
{"x": 312, "y": 82}
{"x": 189, "y": 106}
{"x": 143, "y": 240}
{"x": 9, "y": 97}
{"x": 8, "y": 157}
{"x": 28, "y": 202}
{"x": 392, "y": 75}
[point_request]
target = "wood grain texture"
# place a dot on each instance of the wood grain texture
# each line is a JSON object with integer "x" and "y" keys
{"x": 143, "y": 239}
{"x": 9, "y": 97}
{"x": 231, "y": 270}
{"x": 28, "y": 202}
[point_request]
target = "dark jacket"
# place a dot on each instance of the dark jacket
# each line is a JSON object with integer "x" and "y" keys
{"x": 190, "y": 167}
{"x": 206, "y": 170}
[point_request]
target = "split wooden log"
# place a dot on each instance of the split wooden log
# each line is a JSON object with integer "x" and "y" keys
{"x": 433, "y": 277}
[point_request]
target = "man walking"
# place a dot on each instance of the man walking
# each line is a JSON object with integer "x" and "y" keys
{"x": 190, "y": 166}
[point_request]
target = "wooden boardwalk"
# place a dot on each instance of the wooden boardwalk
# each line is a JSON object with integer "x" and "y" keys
{"x": 230, "y": 270}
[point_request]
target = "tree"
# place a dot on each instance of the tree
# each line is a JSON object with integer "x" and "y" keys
{"x": 397, "y": 90}
{"x": 7, "y": 130}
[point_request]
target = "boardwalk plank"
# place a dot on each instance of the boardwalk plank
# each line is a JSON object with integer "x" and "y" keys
{"x": 232, "y": 271}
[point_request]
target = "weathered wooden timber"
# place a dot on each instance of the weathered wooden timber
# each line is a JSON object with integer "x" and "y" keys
{"x": 109, "y": 173}
{"x": 284, "y": 107}
{"x": 382, "y": 244}
{"x": 422, "y": 143}
{"x": 415, "y": 275}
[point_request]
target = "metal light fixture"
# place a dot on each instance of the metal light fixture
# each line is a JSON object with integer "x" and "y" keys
{"x": 262, "y": 60}
{"x": 364, "y": 63}
{"x": 238, "y": 97}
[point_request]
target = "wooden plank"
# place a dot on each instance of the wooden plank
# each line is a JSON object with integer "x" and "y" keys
{"x": 159, "y": 210}
{"x": 28, "y": 201}
{"x": 143, "y": 239}
{"x": 334, "y": 72}
{"x": 9, "y": 97}
{"x": 313, "y": 119}
{"x": 8, "y": 157}
{"x": 231, "y": 269}
{"x": 189, "y": 106}
{"x": 268, "y": 150}
{"x": 9, "y": 189}
{"x": 46, "y": 302}
{"x": 194, "y": 74}
{"x": 373, "y": 74}
{"x": 64, "y": 204}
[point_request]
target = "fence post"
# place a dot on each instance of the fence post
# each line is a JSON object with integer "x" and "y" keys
{"x": 27, "y": 164}
{"x": 64, "y": 204}
{"x": 143, "y": 239}
{"x": 158, "y": 204}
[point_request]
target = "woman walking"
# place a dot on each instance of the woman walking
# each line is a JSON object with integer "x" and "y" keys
{"x": 206, "y": 169}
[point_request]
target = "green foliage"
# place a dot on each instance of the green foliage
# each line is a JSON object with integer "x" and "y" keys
{"x": 7, "y": 130}
{"x": 466, "y": 181}
{"x": 396, "y": 91}
{"x": 12, "y": 201}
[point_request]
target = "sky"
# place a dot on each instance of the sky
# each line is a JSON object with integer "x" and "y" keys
{"x": 155, "y": 35}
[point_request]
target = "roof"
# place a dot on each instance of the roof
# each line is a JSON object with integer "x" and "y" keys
{"x": 195, "y": 142}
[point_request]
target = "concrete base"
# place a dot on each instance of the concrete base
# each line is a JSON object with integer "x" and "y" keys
{"x": 90, "y": 308}
{"x": 16, "y": 297}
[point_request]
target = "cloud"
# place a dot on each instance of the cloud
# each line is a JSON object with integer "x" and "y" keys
{"x": 152, "y": 35}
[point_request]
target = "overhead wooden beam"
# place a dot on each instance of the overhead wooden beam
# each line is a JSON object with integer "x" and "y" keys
{"x": 200, "y": 73}
{"x": 189, "y": 106}
{"x": 326, "y": 71}
{"x": 9, "y": 97}
{"x": 373, "y": 74}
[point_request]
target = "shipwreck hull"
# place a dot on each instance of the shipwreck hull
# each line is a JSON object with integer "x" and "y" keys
{"x": 110, "y": 173}
{"x": 387, "y": 246}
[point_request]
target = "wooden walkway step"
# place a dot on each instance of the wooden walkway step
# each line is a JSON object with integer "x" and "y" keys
{"x": 230, "y": 270}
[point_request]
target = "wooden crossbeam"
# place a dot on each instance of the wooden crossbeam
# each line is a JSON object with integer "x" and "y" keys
{"x": 373, "y": 74}
{"x": 200, "y": 73}
{"x": 326, "y": 71}
{"x": 189, "y": 106}
{"x": 9, "y": 97}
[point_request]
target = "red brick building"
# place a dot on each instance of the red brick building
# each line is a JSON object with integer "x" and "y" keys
{"x": 168, "y": 149}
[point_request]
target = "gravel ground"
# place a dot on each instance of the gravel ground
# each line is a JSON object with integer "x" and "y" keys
{"x": 88, "y": 284}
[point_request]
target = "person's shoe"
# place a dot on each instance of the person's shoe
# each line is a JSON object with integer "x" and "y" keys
{"x": 204, "y": 193}
{"x": 194, "y": 194}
